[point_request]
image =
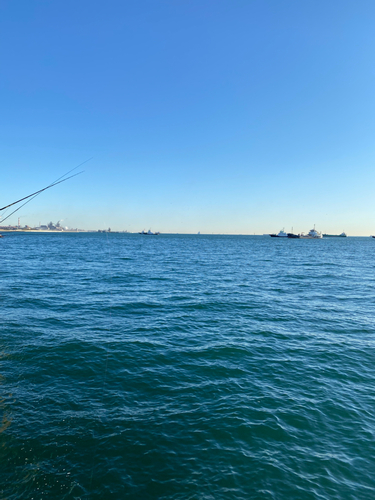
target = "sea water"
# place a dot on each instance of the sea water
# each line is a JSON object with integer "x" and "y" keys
{"x": 186, "y": 367}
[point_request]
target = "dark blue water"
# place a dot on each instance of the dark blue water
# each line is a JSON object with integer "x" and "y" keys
{"x": 186, "y": 367}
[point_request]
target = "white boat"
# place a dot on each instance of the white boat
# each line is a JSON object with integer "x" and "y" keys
{"x": 282, "y": 234}
{"x": 312, "y": 234}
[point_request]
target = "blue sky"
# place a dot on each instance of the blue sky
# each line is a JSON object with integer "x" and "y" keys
{"x": 213, "y": 116}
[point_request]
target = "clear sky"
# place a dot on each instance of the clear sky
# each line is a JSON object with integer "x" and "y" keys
{"x": 219, "y": 116}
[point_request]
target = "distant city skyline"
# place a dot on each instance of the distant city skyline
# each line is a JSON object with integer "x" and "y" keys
{"x": 217, "y": 116}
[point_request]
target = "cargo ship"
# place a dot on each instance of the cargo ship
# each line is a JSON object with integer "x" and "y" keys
{"x": 342, "y": 235}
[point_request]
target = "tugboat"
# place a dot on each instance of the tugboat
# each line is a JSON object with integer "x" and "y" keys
{"x": 312, "y": 234}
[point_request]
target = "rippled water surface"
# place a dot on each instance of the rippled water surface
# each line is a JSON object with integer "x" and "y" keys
{"x": 186, "y": 367}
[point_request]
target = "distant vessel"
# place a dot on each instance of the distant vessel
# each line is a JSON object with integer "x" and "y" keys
{"x": 149, "y": 233}
{"x": 312, "y": 234}
{"x": 292, "y": 235}
{"x": 342, "y": 235}
{"x": 282, "y": 234}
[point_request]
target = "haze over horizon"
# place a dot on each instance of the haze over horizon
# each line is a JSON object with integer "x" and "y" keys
{"x": 213, "y": 116}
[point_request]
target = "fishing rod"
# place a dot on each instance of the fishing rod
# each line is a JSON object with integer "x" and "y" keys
{"x": 34, "y": 195}
{"x": 54, "y": 183}
{"x": 37, "y": 193}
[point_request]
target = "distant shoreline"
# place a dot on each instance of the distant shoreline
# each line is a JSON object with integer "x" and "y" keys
{"x": 47, "y": 231}
{"x": 94, "y": 231}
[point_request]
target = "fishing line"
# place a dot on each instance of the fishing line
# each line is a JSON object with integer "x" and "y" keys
{"x": 75, "y": 168}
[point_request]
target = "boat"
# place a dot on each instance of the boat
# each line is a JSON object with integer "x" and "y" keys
{"x": 312, "y": 234}
{"x": 149, "y": 233}
{"x": 292, "y": 235}
{"x": 281, "y": 234}
{"x": 342, "y": 235}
